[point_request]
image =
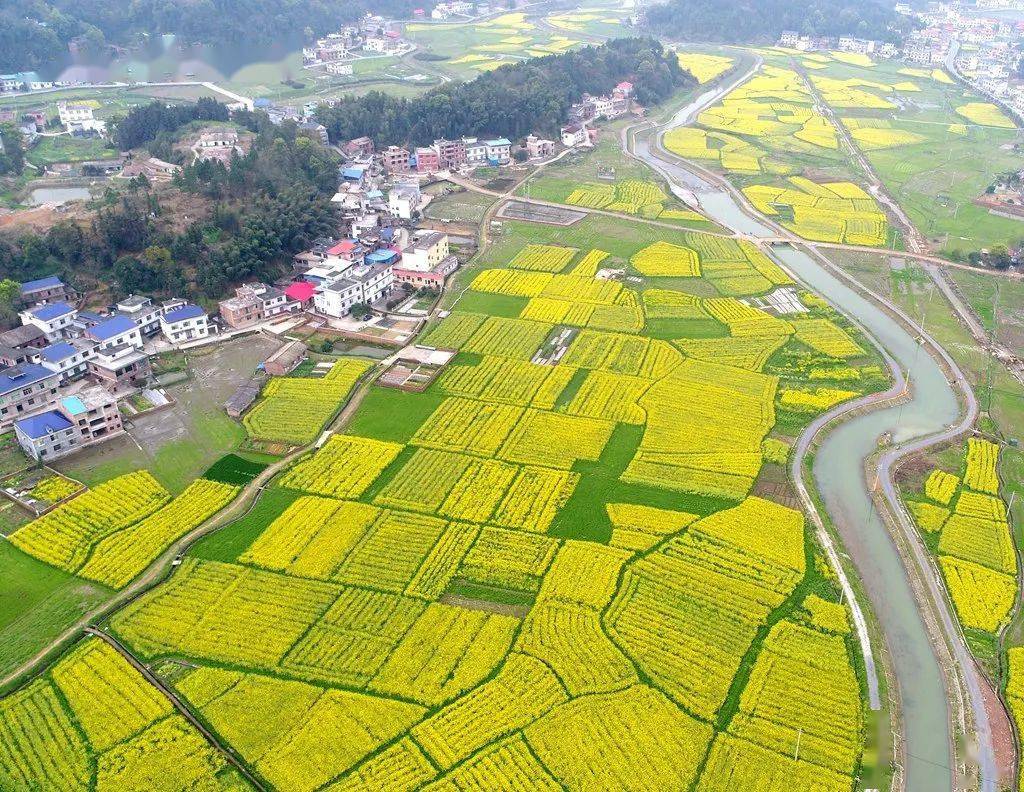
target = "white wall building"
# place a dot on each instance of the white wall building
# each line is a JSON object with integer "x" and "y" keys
{"x": 52, "y": 318}
{"x": 187, "y": 323}
{"x": 426, "y": 251}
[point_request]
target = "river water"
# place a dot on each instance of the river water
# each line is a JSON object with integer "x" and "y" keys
{"x": 838, "y": 470}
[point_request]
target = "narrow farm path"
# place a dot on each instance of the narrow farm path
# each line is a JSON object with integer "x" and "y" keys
{"x": 164, "y": 565}
{"x": 177, "y": 703}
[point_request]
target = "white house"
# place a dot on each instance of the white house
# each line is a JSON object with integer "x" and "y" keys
{"x": 499, "y": 151}
{"x": 87, "y": 417}
{"x": 114, "y": 332}
{"x": 186, "y": 323}
{"x": 476, "y": 151}
{"x": 69, "y": 359}
{"x": 574, "y": 135}
{"x": 52, "y": 318}
{"x": 403, "y": 200}
{"x": 360, "y": 283}
{"x": 426, "y": 251}
{"x": 78, "y": 117}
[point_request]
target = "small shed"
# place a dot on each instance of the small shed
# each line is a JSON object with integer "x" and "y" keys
{"x": 242, "y": 399}
{"x": 285, "y": 359}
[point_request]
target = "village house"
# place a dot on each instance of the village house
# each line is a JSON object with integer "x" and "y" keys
{"x": 574, "y": 135}
{"x": 538, "y": 147}
{"x": 53, "y": 319}
{"x": 26, "y": 337}
{"x": 358, "y": 148}
{"x": 426, "y": 260}
{"x": 119, "y": 367}
{"x": 360, "y": 283}
{"x": 285, "y": 359}
{"x": 75, "y": 421}
{"x": 427, "y": 160}
{"x": 78, "y": 117}
{"x": 70, "y": 359}
{"x": 50, "y": 289}
{"x": 404, "y": 200}
{"x": 114, "y": 332}
{"x": 450, "y": 153}
{"x": 156, "y": 170}
{"x": 186, "y": 323}
{"x": 394, "y": 159}
{"x": 252, "y": 303}
{"x": 24, "y": 388}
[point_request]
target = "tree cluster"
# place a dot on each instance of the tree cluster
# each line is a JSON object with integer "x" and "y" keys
{"x": 514, "y": 100}
{"x": 35, "y": 31}
{"x": 763, "y": 21}
{"x": 270, "y": 204}
{"x": 149, "y": 122}
{"x": 12, "y": 156}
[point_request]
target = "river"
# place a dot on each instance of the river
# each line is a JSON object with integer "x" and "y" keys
{"x": 839, "y": 477}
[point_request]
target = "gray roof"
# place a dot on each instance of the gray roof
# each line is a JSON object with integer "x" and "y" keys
{"x": 21, "y": 335}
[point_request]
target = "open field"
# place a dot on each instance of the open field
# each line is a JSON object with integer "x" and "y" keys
{"x": 509, "y": 578}
{"x": 179, "y": 443}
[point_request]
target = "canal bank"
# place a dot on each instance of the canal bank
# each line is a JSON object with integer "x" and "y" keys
{"x": 897, "y": 585}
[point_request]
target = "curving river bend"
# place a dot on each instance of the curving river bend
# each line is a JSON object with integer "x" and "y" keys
{"x": 839, "y": 474}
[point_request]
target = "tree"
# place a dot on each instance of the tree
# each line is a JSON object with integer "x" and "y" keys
{"x": 12, "y": 155}
{"x": 520, "y": 155}
{"x": 360, "y": 310}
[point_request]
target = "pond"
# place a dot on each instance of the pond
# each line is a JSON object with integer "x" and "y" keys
{"x": 57, "y": 195}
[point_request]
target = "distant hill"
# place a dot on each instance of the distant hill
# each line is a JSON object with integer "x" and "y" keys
{"x": 762, "y": 21}
{"x": 33, "y": 33}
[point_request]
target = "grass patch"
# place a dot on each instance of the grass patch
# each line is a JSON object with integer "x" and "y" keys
{"x": 229, "y": 542}
{"x": 391, "y": 414}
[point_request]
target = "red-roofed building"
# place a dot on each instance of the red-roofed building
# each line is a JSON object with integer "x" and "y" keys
{"x": 626, "y": 88}
{"x": 301, "y": 292}
{"x": 348, "y": 250}
{"x": 419, "y": 13}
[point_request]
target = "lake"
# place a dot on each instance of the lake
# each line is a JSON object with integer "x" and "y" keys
{"x": 57, "y": 195}
{"x": 164, "y": 58}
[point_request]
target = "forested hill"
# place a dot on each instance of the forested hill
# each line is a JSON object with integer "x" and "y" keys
{"x": 762, "y": 21}
{"x": 33, "y": 32}
{"x": 514, "y": 100}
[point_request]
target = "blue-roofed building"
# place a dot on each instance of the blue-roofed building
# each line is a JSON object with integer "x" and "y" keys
{"x": 25, "y": 388}
{"x": 53, "y": 319}
{"x": 73, "y": 422}
{"x": 382, "y": 256}
{"x": 70, "y": 359}
{"x": 499, "y": 151}
{"x": 353, "y": 173}
{"x": 51, "y": 289}
{"x": 114, "y": 332}
{"x": 185, "y": 323}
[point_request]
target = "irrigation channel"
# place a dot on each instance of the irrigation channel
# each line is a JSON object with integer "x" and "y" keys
{"x": 931, "y": 411}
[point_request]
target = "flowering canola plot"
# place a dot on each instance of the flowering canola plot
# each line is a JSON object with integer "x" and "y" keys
{"x": 544, "y": 572}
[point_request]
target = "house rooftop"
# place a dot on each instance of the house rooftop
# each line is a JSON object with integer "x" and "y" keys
{"x": 427, "y": 240}
{"x": 183, "y": 313}
{"x": 51, "y": 311}
{"x": 25, "y": 334}
{"x": 23, "y": 374}
{"x": 57, "y": 352}
{"x": 109, "y": 328}
{"x": 42, "y": 283}
{"x": 47, "y": 423}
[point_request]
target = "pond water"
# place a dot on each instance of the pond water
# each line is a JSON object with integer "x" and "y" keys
{"x": 57, "y": 195}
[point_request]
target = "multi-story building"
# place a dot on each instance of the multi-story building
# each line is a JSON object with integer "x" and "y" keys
{"x": 75, "y": 421}
{"x": 25, "y": 388}
{"x": 361, "y": 283}
{"x": 403, "y": 200}
{"x": 54, "y": 319}
{"x": 344, "y": 254}
{"x": 143, "y": 312}
{"x": 538, "y": 147}
{"x": 254, "y": 302}
{"x": 120, "y": 367}
{"x": 51, "y": 289}
{"x": 70, "y": 359}
{"x": 114, "y": 332}
{"x": 78, "y": 117}
{"x": 187, "y": 323}
{"x": 476, "y": 151}
{"x": 574, "y": 135}
{"x": 499, "y": 151}
{"x": 451, "y": 153}
{"x": 426, "y": 251}
{"x": 394, "y": 159}
{"x": 427, "y": 160}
